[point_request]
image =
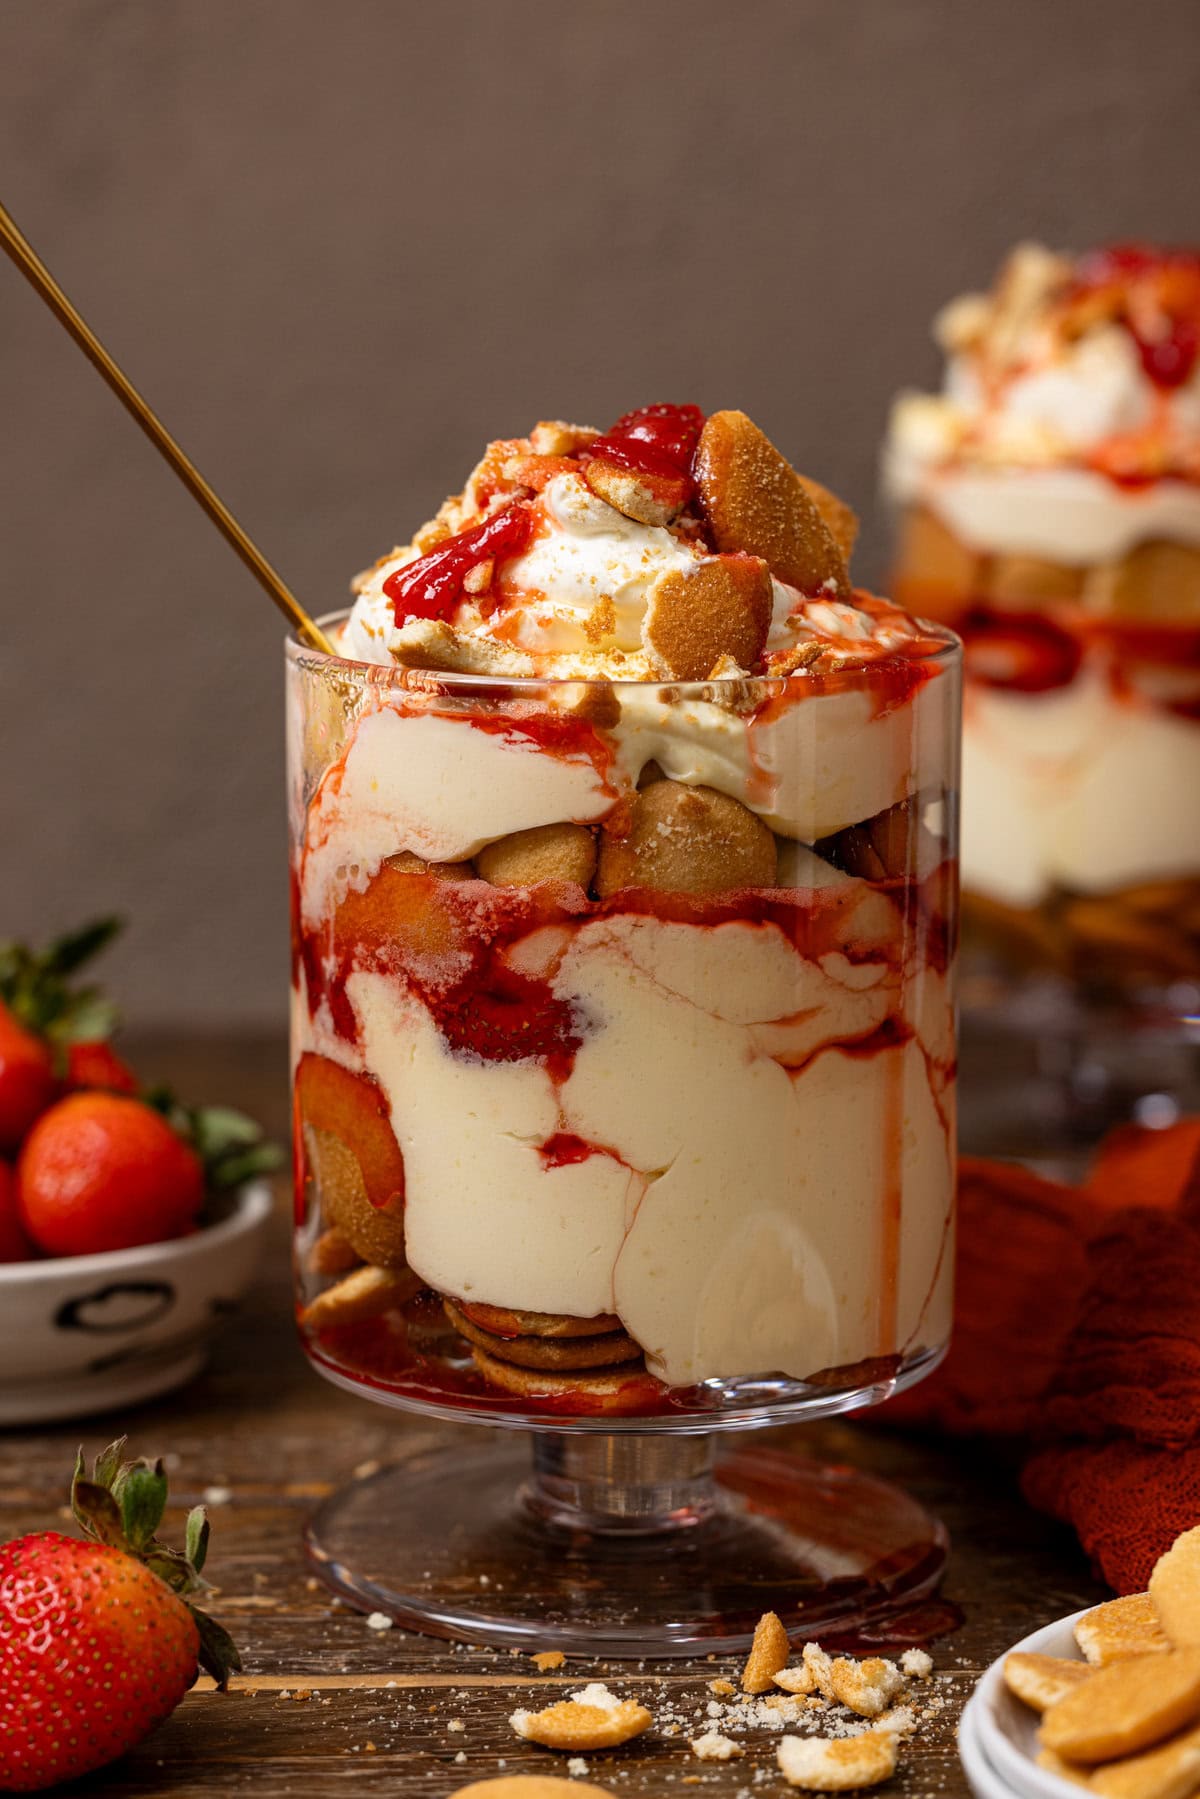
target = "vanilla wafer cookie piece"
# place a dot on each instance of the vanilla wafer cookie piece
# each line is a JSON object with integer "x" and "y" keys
{"x": 592, "y": 1718}
{"x": 1169, "y": 1772}
{"x": 1128, "y": 1706}
{"x": 755, "y": 502}
{"x": 1120, "y": 1628}
{"x": 837, "y": 1764}
{"x": 720, "y": 609}
{"x": 867, "y": 1687}
{"x": 367, "y": 1293}
{"x": 1040, "y": 1681}
{"x": 1175, "y": 1590}
{"x": 769, "y": 1653}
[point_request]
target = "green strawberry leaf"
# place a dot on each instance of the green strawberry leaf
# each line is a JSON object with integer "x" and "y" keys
{"x": 88, "y": 1017}
{"x": 173, "y": 1569}
{"x": 218, "y": 1651}
{"x": 143, "y": 1502}
{"x": 196, "y": 1537}
{"x": 98, "y": 1513}
{"x": 108, "y": 1463}
{"x": 230, "y": 1145}
{"x": 77, "y": 947}
{"x": 36, "y": 985}
{"x": 218, "y": 1129}
{"x": 234, "y": 1171}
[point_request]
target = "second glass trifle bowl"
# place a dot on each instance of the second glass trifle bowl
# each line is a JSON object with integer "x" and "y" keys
{"x": 624, "y": 1117}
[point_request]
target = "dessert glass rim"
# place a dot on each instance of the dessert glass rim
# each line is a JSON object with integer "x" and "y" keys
{"x": 948, "y": 650}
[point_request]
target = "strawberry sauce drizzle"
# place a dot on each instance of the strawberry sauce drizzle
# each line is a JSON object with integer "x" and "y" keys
{"x": 431, "y": 586}
{"x": 1155, "y": 295}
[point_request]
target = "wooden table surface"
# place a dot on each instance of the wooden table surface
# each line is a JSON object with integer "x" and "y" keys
{"x": 261, "y": 1425}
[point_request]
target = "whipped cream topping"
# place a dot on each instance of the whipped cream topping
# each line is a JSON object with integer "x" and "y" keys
{"x": 572, "y": 604}
{"x": 1042, "y": 403}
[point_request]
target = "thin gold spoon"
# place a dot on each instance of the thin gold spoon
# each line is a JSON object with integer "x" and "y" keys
{"x": 32, "y": 266}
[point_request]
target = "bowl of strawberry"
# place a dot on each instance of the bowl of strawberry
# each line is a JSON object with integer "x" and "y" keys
{"x": 130, "y": 1223}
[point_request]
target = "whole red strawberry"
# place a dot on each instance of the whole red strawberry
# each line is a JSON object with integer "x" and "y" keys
{"x": 98, "y": 1640}
{"x": 102, "y": 1171}
{"x": 96, "y": 1063}
{"x": 27, "y": 1080}
{"x": 14, "y": 1244}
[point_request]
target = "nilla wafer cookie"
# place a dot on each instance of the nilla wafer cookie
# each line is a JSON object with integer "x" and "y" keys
{"x": 837, "y": 1764}
{"x": 1120, "y": 1628}
{"x": 1128, "y": 1706}
{"x": 768, "y": 1656}
{"x": 614, "y": 1391}
{"x": 1170, "y": 1772}
{"x": 697, "y": 618}
{"x": 1175, "y": 1590}
{"x": 553, "y": 1353}
{"x": 1040, "y": 1681}
{"x": 366, "y": 1293}
{"x": 592, "y": 1718}
{"x": 755, "y": 501}
{"x": 684, "y": 839}
{"x": 555, "y": 852}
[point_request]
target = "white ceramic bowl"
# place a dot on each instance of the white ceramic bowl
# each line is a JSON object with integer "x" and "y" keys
{"x": 1002, "y": 1733}
{"x": 84, "y": 1334}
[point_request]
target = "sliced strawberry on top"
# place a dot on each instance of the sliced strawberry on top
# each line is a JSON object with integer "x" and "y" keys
{"x": 674, "y": 431}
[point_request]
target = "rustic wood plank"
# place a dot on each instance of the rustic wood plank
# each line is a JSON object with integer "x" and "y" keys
{"x": 260, "y": 1424}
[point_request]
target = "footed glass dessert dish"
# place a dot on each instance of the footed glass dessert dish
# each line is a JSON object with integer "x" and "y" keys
{"x": 1049, "y": 505}
{"x": 623, "y": 1037}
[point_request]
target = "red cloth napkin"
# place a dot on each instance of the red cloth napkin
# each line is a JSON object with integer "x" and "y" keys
{"x": 1077, "y": 1329}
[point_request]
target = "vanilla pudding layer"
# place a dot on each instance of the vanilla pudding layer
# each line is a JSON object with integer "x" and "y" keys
{"x": 809, "y": 762}
{"x": 753, "y": 1202}
{"x": 759, "y": 1095}
{"x": 1089, "y": 787}
{"x": 1077, "y": 517}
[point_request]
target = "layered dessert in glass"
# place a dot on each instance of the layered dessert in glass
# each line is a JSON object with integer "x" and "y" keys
{"x": 624, "y": 889}
{"x": 1050, "y": 512}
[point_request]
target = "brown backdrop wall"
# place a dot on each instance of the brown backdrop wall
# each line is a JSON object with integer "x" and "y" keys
{"x": 341, "y": 242}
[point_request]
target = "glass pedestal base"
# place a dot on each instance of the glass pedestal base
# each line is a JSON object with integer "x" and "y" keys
{"x": 1045, "y": 1073}
{"x": 631, "y": 1545}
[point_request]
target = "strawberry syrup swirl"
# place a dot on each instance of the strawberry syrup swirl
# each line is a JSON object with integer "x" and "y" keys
{"x": 1155, "y": 295}
{"x": 1044, "y": 652}
{"x": 451, "y": 944}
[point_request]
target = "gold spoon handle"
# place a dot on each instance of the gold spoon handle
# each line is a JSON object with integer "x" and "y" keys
{"x": 35, "y": 270}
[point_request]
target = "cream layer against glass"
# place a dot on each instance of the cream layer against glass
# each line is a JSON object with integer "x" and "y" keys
{"x": 759, "y": 1096}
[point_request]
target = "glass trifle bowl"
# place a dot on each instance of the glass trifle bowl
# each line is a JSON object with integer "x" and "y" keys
{"x": 624, "y": 1058}
{"x": 1049, "y": 511}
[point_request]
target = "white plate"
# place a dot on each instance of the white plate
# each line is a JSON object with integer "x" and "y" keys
{"x": 982, "y": 1778}
{"x": 1005, "y": 1732}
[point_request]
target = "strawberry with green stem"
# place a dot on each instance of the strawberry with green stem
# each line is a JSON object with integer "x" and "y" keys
{"x": 103, "y": 1165}
{"x": 100, "y": 1639}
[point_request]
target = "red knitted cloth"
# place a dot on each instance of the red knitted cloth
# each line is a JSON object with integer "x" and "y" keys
{"x": 1077, "y": 1328}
